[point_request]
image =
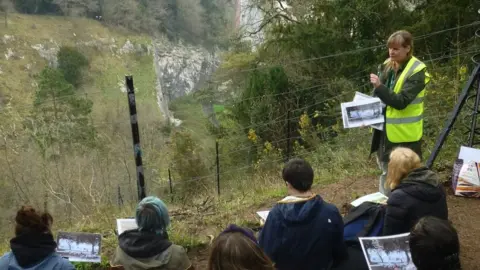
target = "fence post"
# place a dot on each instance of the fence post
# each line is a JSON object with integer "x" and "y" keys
{"x": 120, "y": 197}
{"x": 288, "y": 136}
{"x": 136, "y": 137}
{"x": 170, "y": 181}
{"x": 218, "y": 167}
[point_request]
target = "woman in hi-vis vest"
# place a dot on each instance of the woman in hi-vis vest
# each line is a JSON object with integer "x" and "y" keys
{"x": 401, "y": 87}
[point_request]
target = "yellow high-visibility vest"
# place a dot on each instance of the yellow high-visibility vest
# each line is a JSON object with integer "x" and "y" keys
{"x": 407, "y": 125}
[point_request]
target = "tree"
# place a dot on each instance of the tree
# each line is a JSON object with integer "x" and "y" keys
{"x": 36, "y": 7}
{"x": 5, "y": 7}
{"x": 78, "y": 7}
{"x": 71, "y": 62}
{"x": 60, "y": 118}
{"x": 317, "y": 53}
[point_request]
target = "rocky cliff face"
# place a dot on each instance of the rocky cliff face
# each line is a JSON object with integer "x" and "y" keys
{"x": 181, "y": 69}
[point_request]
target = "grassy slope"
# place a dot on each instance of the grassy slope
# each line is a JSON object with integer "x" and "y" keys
{"x": 105, "y": 72}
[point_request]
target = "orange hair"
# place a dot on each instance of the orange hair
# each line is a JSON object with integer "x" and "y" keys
{"x": 402, "y": 162}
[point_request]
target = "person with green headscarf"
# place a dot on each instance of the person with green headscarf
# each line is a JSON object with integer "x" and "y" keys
{"x": 148, "y": 246}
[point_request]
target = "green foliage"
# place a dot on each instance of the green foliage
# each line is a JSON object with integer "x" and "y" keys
{"x": 36, "y": 6}
{"x": 188, "y": 163}
{"x": 60, "y": 118}
{"x": 302, "y": 67}
{"x": 72, "y": 62}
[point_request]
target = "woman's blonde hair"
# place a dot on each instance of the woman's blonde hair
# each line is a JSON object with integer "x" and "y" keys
{"x": 402, "y": 38}
{"x": 402, "y": 162}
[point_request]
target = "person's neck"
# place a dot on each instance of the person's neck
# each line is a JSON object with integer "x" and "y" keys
{"x": 303, "y": 194}
{"x": 404, "y": 61}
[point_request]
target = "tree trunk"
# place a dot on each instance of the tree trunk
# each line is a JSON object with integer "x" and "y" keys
{"x": 6, "y": 18}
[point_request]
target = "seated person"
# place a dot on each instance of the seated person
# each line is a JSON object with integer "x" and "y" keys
{"x": 148, "y": 246}
{"x": 416, "y": 193}
{"x": 434, "y": 245}
{"x": 237, "y": 248}
{"x": 33, "y": 246}
{"x": 302, "y": 231}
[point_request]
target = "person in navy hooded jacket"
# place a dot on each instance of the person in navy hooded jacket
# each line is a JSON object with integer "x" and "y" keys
{"x": 302, "y": 231}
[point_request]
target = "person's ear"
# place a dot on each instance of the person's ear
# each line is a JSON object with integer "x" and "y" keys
{"x": 408, "y": 48}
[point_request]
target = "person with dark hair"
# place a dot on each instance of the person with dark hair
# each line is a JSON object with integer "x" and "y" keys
{"x": 237, "y": 248}
{"x": 434, "y": 245}
{"x": 148, "y": 246}
{"x": 302, "y": 231}
{"x": 33, "y": 246}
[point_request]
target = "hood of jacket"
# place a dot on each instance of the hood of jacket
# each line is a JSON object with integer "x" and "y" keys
{"x": 296, "y": 210}
{"x": 139, "y": 244}
{"x": 423, "y": 184}
{"x": 30, "y": 249}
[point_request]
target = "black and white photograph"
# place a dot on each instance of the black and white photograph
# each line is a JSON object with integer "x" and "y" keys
{"x": 361, "y": 96}
{"x": 126, "y": 224}
{"x": 388, "y": 252}
{"x": 362, "y": 113}
{"x": 79, "y": 247}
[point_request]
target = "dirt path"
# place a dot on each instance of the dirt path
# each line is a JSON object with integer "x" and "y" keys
{"x": 462, "y": 212}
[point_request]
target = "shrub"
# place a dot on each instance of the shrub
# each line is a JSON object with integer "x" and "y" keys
{"x": 72, "y": 62}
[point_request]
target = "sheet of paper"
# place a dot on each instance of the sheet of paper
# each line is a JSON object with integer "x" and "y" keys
{"x": 361, "y": 96}
{"x": 469, "y": 154}
{"x": 125, "y": 225}
{"x": 470, "y": 173}
{"x": 263, "y": 215}
{"x": 79, "y": 247}
{"x": 388, "y": 252}
{"x": 362, "y": 113}
{"x": 374, "y": 197}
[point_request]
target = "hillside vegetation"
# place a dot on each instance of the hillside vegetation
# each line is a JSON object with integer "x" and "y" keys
{"x": 66, "y": 143}
{"x": 74, "y": 174}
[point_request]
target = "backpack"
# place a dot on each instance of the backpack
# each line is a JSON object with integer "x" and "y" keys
{"x": 363, "y": 221}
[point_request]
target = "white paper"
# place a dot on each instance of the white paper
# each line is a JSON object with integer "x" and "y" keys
{"x": 469, "y": 154}
{"x": 374, "y": 197}
{"x": 387, "y": 252}
{"x": 362, "y": 113}
{"x": 79, "y": 247}
{"x": 361, "y": 96}
{"x": 469, "y": 173}
{"x": 263, "y": 215}
{"x": 125, "y": 225}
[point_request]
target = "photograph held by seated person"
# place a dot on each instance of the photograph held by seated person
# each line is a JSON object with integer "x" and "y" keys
{"x": 302, "y": 231}
{"x": 33, "y": 246}
{"x": 401, "y": 87}
{"x": 434, "y": 245}
{"x": 148, "y": 246}
{"x": 236, "y": 248}
{"x": 416, "y": 192}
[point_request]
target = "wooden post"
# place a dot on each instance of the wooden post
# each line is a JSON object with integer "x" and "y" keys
{"x": 137, "y": 151}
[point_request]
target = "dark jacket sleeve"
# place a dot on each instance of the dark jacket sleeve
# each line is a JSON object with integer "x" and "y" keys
{"x": 411, "y": 88}
{"x": 339, "y": 247}
{"x": 270, "y": 236}
{"x": 396, "y": 214}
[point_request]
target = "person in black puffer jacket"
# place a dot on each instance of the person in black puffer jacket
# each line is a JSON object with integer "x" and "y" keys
{"x": 416, "y": 193}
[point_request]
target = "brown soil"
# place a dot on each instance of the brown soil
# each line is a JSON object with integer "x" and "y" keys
{"x": 463, "y": 213}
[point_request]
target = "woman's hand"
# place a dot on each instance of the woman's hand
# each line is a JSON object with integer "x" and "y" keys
{"x": 375, "y": 80}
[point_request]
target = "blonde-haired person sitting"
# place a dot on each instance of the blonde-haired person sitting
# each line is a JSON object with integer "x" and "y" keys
{"x": 416, "y": 193}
